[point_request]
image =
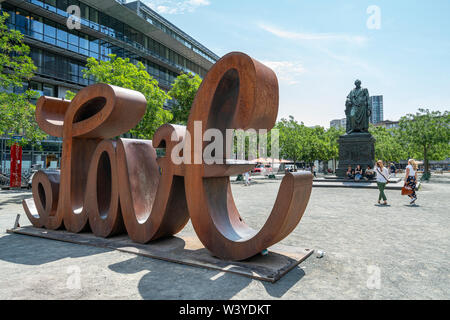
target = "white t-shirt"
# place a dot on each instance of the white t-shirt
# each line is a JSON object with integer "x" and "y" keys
{"x": 412, "y": 172}
{"x": 380, "y": 174}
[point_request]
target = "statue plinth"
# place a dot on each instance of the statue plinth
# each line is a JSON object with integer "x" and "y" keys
{"x": 355, "y": 149}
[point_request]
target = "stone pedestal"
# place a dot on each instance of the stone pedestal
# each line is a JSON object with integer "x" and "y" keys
{"x": 354, "y": 149}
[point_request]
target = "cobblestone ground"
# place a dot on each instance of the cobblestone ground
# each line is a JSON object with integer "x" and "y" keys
{"x": 372, "y": 252}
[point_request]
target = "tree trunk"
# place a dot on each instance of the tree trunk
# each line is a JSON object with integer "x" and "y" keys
{"x": 425, "y": 161}
{"x": 325, "y": 167}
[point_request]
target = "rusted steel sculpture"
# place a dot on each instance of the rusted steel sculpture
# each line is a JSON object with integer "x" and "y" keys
{"x": 113, "y": 186}
{"x": 238, "y": 92}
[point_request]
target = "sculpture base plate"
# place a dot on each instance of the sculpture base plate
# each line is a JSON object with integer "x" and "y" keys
{"x": 187, "y": 250}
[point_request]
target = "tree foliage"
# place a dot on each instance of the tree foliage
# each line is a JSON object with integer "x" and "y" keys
{"x": 387, "y": 146}
{"x": 290, "y": 135}
{"x": 121, "y": 72}
{"x": 298, "y": 142}
{"x": 183, "y": 91}
{"x": 332, "y": 136}
{"x": 426, "y": 135}
{"x": 316, "y": 146}
{"x": 16, "y": 67}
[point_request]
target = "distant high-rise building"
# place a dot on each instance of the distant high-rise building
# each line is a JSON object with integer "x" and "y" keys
{"x": 339, "y": 123}
{"x": 377, "y": 109}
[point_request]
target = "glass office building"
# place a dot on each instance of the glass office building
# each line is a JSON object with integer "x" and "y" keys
{"x": 129, "y": 30}
{"x": 377, "y": 109}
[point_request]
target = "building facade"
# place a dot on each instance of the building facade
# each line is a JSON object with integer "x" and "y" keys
{"x": 60, "y": 43}
{"x": 377, "y": 109}
{"x": 388, "y": 124}
{"x": 339, "y": 123}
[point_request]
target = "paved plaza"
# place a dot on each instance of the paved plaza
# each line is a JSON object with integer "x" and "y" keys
{"x": 371, "y": 252}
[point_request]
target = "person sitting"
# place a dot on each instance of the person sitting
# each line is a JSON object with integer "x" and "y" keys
{"x": 393, "y": 169}
{"x": 358, "y": 173}
{"x": 369, "y": 174}
{"x": 350, "y": 173}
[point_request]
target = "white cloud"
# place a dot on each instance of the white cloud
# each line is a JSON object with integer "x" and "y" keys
{"x": 286, "y": 71}
{"x": 312, "y": 36}
{"x": 176, "y": 7}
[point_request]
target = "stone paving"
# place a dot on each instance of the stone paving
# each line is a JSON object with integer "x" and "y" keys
{"x": 371, "y": 252}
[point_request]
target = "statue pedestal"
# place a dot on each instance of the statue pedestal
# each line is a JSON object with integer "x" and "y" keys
{"x": 354, "y": 149}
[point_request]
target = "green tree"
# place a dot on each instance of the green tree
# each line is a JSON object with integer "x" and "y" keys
{"x": 183, "y": 91}
{"x": 291, "y": 138}
{"x": 315, "y": 145}
{"x": 387, "y": 146}
{"x": 332, "y": 136}
{"x": 122, "y": 73}
{"x": 16, "y": 67}
{"x": 426, "y": 135}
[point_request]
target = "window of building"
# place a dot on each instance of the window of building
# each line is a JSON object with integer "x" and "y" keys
{"x": 37, "y": 27}
{"x": 48, "y": 90}
{"x": 84, "y": 45}
{"x": 49, "y": 32}
{"x": 84, "y": 12}
{"x": 21, "y": 21}
{"x": 36, "y": 56}
{"x": 93, "y": 15}
{"x": 50, "y": 5}
{"x": 61, "y": 7}
{"x": 62, "y": 37}
{"x": 73, "y": 71}
{"x": 73, "y": 41}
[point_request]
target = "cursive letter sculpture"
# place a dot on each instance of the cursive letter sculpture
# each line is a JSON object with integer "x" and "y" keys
{"x": 112, "y": 186}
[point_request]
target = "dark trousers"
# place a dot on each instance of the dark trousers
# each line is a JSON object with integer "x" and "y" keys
{"x": 381, "y": 187}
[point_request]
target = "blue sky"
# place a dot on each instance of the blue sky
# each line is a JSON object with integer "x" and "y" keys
{"x": 319, "y": 48}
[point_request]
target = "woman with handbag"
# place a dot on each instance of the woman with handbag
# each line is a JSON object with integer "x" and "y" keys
{"x": 411, "y": 179}
{"x": 382, "y": 180}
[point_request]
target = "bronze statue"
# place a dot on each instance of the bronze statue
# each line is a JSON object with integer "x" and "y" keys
{"x": 358, "y": 109}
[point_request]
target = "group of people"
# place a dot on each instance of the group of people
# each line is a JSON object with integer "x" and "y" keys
{"x": 383, "y": 176}
{"x": 359, "y": 174}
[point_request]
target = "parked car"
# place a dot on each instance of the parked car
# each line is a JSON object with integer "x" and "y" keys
{"x": 258, "y": 169}
{"x": 263, "y": 169}
{"x": 268, "y": 170}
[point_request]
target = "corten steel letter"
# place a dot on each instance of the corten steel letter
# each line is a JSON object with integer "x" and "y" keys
{"x": 102, "y": 192}
{"x": 153, "y": 202}
{"x": 44, "y": 203}
{"x": 97, "y": 112}
{"x": 237, "y": 93}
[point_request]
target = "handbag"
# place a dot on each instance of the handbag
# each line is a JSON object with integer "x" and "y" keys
{"x": 406, "y": 191}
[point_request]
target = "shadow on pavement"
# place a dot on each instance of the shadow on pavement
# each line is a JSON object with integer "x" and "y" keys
{"x": 14, "y": 198}
{"x": 36, "y": 251}
{"x": 165, "y": 280}
{"x": 279, "y": 288}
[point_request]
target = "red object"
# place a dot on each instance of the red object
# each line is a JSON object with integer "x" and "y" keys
{"x": 406, "y": 191}
{"x": 15, "y": 180}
